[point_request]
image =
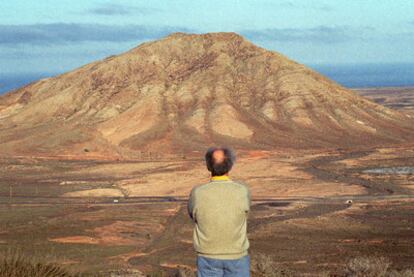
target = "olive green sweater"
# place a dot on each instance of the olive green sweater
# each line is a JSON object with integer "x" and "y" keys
{"x": 219, "y": 210}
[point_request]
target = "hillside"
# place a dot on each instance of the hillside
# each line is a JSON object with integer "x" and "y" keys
{"x": 184, "y": 92}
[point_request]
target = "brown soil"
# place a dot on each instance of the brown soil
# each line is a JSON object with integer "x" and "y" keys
{"x": 395, "y": 98}
{"x": 300, "y": 216}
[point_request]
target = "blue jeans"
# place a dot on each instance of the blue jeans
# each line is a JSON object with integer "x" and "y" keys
{"x": 209, "y": 267}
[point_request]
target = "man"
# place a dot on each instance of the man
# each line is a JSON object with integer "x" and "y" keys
{"x": 219, "y": 211}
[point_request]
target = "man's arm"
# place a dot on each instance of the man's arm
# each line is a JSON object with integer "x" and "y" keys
{"x": 248, "y": 200}
{"x": 190, "y": 205}
{"x": 247, "y": 197}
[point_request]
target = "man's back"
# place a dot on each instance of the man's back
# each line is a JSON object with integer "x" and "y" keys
{"x": 219, "y": 209}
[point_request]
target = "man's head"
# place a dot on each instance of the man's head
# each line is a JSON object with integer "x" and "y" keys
{"x": 219, "y": 160}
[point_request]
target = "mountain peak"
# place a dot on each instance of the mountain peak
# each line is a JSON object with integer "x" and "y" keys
{"x": 217, "y": 35}
{"x": 222, "y": 40}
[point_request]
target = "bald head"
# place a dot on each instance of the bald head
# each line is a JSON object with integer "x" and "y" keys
{"x": 218, "y": 156}
{"x": 219, "y": 161}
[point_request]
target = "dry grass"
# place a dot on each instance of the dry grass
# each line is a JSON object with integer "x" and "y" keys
{"x": 404, "y": 273}
{"x": 264, "y": 266}
{"x": 179, "y": 272}
{"x": 13, "y": 264}
{"x": 373, "y": 267}
{"x": 367, "y": 266}
{"x": 185, "y": 272}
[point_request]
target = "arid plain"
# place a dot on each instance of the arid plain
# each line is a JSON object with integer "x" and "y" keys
{"x": 65, "y": 210}
{"x": 96, "y": 164}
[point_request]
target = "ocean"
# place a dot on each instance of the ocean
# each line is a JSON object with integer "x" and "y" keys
{"x": 369, "y": 75}
{"x": 9, "y": 82}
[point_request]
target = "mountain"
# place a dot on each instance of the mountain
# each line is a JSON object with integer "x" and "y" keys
{"x": 185, "y": 92}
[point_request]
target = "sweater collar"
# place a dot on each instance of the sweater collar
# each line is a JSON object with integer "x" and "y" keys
{"x": 220, "y": 178}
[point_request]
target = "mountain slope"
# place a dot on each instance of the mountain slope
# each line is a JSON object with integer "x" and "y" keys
{"x": 185, "y": 92}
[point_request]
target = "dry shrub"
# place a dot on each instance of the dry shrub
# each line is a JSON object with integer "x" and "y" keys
{"x": 122, "y": 273}
{"x": 404, "y": 273}
{"x": 264, "y": 266}
{"x": 17, "y": 265}
{"x": 179, "y": 272}
{"x": 158, "y": 273}
{"x": 367, "y": 267}
{"x": 185, "y": 272}
{"x": 374, "y": 267}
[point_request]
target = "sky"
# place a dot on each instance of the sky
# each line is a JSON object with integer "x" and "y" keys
{"x": 47, "y": 36}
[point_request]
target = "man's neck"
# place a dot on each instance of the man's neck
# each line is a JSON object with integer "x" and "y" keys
{"x": 224, "y": 177}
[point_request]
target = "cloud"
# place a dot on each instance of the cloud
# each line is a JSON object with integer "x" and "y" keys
{"x": 321, "y": 34}
{"x": 62, "y": 33}
{"x": 323, "y": 7}
{"x": 111, "y": 9}
{"x": 308, "y": 5}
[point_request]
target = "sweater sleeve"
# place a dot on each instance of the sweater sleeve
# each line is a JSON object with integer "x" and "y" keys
{"x": 248, "y": 200}
{"x": 190, "y": 205}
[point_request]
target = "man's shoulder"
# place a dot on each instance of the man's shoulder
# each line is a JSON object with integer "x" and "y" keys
{"x": 198, "y": 187}
{"x": 241, "y": 183}
{"x": 205, "y": 186}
